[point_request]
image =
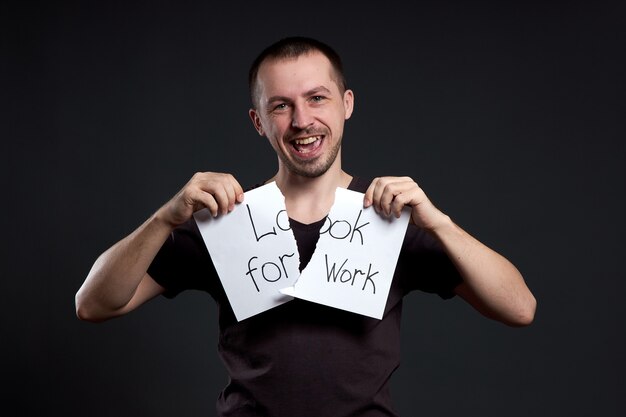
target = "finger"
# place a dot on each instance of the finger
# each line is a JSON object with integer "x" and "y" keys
{"x": 369, "y": 194}
{"x": 239, "y": 194}
{"x": 216, "y": 190}
{"x": 399, "y": 202}
{"x": 204, "y": 199}
{"x": 385, "y": 203}
{"x": 231, "y": 195}
{"x": 231, "y": 188}
{"x": 397, "y": 195}
{"x": 220, "y": 193}
{"x": 392, "y": 188}
{"x": 377, "y": 196}
{"x": 235, "y": 192}
{"x": 215, "y": 184}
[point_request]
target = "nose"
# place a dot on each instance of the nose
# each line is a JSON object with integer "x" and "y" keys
{"x": 301, "y": 117}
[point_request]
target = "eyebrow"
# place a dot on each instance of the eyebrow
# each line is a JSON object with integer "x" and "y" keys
{"x": 315, "y": 90}
{"x": 311, "y": 92}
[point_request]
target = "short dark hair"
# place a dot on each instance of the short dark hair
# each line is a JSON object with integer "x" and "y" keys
{"x": 293, "y": 47}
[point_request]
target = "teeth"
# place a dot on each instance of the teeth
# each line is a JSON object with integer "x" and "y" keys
{"x": 306, "y": 141}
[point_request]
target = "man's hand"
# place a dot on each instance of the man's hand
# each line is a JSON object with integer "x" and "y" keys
{"x": 491, "y": 283}
{"x": 216, "y": 191}
{"x": 118, "y": 282}
{"x": 389, "y": 195}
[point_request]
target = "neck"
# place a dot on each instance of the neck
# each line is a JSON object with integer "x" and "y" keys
{"x": 310, "y": 199}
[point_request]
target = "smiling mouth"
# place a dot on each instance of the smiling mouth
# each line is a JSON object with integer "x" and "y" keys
{"x": 307, "y": 144}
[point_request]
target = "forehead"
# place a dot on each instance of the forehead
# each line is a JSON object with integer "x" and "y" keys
{"x": 291, "y": 76}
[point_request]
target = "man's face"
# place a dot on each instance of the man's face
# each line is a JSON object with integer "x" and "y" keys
{"x": 301, "y": 111}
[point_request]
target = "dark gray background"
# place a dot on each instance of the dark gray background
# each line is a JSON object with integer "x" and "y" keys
{"x": 510, "y": 115}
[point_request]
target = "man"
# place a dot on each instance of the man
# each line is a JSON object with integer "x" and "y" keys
{"x": 301, "y": 358}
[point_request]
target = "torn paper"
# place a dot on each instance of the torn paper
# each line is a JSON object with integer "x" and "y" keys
{"x": 355, "y": 258}
{"x": 253, "y": 250}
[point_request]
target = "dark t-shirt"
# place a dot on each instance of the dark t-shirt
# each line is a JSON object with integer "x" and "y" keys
{"x": 301, "y": 358}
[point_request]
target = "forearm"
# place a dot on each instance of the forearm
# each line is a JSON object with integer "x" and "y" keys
{"x": 116, "y": 275}
{"x": 491, "y": 283}
{"x": 117, "y": 282}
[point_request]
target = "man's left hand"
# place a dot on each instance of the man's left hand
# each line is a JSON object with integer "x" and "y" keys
{"x": 389, "y": 195}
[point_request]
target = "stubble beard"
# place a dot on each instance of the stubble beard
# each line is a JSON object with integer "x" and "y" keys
{"x": 313, "y": 168}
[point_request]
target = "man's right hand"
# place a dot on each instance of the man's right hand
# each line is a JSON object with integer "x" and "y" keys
{"x": 215, "y": 191}
{"x": 118, "y": 282}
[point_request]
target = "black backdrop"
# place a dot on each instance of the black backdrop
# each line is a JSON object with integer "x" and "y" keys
{"x": 510, "y": 115}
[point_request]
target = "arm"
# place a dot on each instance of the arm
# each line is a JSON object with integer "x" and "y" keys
{"x": 491, "y": 283}
{"x": 118, "y": 282}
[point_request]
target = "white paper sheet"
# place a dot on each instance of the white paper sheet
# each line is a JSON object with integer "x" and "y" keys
{"x": 256, "y": 256}
{"x": 253, "y": 250}
{"x": 355, "y": 258}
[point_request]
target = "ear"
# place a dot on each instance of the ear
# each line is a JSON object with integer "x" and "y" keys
{"x": 348, "y": 103}
{"x": 256, "y": 121}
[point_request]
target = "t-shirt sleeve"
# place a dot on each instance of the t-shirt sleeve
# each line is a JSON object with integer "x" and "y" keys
{"x": 183, "y": 263}
{"x": 423, "y": 265}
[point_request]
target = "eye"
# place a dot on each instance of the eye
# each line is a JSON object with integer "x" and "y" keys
{"x": 317, "y": 99}
{"x": 280, "y": 106}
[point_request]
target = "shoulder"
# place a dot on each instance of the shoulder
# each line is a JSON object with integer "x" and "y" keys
{"x": 360, "y": 184}
{"x": 256, "y": 185}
